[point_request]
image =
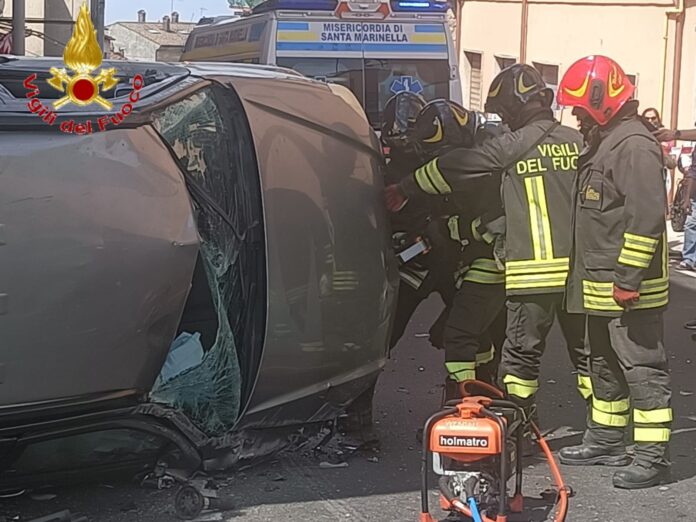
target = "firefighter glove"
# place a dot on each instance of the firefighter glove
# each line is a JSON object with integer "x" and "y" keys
{"x": 625, "y": 298}
{"x": 436, "y": 231}
{"x": 395, "y": 198}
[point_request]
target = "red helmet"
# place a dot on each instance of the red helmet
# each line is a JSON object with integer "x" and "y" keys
{"x": 598, "y": 85}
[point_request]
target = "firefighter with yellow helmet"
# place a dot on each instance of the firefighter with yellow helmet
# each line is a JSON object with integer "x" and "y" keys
{"x": 536, "y": 165}
{"x": 471, "y": 321}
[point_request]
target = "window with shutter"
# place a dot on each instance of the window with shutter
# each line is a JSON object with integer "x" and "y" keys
{"x": 549, "y": 73}
{"x": 475, "y": 94}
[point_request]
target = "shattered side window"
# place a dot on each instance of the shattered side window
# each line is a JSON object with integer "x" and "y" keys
{"x": 208, "y": 133}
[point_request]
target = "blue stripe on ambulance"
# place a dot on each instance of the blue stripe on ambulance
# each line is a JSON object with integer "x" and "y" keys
{"x": 293, "y": 26}
{"x": 430, "y": 28}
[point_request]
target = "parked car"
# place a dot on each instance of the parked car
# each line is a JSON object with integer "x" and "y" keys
{"x": 213, "y": 270}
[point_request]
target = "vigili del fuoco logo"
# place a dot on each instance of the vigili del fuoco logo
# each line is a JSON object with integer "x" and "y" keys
{"x": 80, "y": 86}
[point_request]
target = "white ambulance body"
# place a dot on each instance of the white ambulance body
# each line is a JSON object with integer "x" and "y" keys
{"x": 375, "y": 48}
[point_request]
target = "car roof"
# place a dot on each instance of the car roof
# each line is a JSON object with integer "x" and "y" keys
{"x": 160, "y": 78}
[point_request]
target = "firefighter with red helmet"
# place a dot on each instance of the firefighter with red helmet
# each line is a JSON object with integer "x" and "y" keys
{"x": 536, "y": 165}
{"x": 619, "y": 274}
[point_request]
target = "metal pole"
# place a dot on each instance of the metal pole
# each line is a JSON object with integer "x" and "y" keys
{"x": 523, "y": 31}
{"x": 97, "y": 11}
{"x": 101, "y": 9}
{"x": 676, "y": 72}
{"x": 19, "y": 27}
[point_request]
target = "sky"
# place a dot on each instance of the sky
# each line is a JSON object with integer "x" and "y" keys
{"x": 189, "y": 10}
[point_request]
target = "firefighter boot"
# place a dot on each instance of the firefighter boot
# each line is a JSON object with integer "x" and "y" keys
{"x": 601, "y": 446}
{"x": 587, "y": 454}
{"x": 640, "y": 475}
{"x": 650, "y": 467}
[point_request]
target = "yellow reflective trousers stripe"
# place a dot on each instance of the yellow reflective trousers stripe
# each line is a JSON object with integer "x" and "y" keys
{"x": 540, "y": 223}
{"x": 610, "y": 413}
{"x": 485, "y": 357}
{"x": 613, "y": 420}
{"x": 620, "y": 406}
{"x": 651, "y": 434}
{"x": 523, "y": 388}
{"x": 461, "y": 371}
{"x": 430, "y": 179}
{"x": 585, "y": 386}
{"x": 652, "y": 416}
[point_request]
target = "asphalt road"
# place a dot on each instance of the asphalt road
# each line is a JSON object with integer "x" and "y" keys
{"x": 384, "y": 485}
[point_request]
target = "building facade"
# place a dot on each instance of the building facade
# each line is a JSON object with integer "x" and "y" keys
{"x": 142, "y": 40}
{"x": 647, "y": 37}
{"x": 49, "y": 24}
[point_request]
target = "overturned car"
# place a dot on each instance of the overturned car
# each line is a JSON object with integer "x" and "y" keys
{"x": 200, "y": 261}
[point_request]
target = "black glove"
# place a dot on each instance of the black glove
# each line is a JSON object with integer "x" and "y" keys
{"x": 437, "y": 232}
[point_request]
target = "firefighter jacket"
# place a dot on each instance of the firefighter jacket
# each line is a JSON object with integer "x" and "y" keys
{"x": 619, "y": 221}
{"x": 538, "y": 167}
{"x": 411, "y": 223}
{"x": 476, "y": 262}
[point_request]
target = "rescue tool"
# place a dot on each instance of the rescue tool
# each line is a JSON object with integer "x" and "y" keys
{"x": 474, "y": 445}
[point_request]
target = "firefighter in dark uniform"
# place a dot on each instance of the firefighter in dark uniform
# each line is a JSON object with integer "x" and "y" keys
{"x": 480, "y": 294}
{"x": 619, "y": 275}
{"x": 536, "y": 165}
{"x": 427, "y": 273}
{"x": 424, "y": 274}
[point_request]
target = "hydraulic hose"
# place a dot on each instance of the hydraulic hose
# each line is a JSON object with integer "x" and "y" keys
{"x": 475, "y": 515}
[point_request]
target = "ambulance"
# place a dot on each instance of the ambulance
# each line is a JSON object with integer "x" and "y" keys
{"x": 376, "y": 48}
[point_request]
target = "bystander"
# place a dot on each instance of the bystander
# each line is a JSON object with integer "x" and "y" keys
{"x": 652, "y": 116}
{"x": 689, "y": 250}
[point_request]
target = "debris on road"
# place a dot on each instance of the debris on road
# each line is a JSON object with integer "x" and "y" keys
{"x": 197, "y": 496}
{"x": 42, "y": 497}
{"x": 61, "y": 516}
{"x": 329, "y": 465}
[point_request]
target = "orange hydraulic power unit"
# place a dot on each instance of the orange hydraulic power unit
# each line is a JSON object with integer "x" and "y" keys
{"x": 474, "y": 445}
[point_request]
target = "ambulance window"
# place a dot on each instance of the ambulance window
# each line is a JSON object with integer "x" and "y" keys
{"x": 343, "y": 71}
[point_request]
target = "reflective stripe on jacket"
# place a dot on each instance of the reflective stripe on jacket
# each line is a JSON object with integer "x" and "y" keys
{"x": 536, "y": 192}
{"x": 619, "y": 222}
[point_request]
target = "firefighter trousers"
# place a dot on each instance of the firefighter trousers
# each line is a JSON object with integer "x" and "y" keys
{"x": 629, "y": 370}
{"x": 410, "y": 298}
{"x": 467, "y": 338}
{"x": 529, "y": 320}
